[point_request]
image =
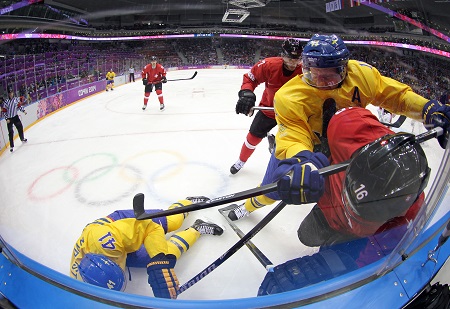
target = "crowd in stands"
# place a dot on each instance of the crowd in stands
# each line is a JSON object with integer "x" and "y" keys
{"x": 38, "y": 68}
{"x": 427, "y": 75}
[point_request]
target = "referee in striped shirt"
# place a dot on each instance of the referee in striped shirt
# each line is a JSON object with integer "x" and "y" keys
{"x": 9, "y": 111}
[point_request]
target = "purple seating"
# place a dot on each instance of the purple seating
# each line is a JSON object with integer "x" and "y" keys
{"x": 33, "y": 96}
{"x": 42, "y": 93}
{"x": 52, "y": 90}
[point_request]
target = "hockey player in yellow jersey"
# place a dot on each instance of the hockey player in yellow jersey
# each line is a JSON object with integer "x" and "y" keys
{"x": 107, "y": 245}
{"x": 329, "y": 76}
{"x": 110, "y": 80}
{"x": 299, "y": 103}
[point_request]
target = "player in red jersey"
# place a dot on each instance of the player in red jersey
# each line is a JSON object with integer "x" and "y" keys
{"x": 274, "y": 72}
{"x": 154, "y": 74}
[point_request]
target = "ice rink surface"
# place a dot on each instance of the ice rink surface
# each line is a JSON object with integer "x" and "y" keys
{"x": 90, "y": 158}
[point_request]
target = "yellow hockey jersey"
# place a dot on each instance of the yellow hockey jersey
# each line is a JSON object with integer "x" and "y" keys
{"x": 115, "y": 239}
{"x": 298, "y": 106}
{"x": 110, "y": 75}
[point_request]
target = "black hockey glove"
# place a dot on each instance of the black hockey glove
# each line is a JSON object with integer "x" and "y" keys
{"x": 245, "y": 103}
{"x": 163, "y": 80}
{"x": 438, "y": 115}
{"x": 144, "y": 81}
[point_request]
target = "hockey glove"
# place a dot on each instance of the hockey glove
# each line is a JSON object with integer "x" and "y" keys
{"x": 163, "y": 80}
{"x": 307, "y": 270}
{"x": 438, "y": 115}
{"x": 144, "y": 81}
{"x": 245, "y": 103}
{"x": 162, "y": 277}
{"x": 303, "y": 184}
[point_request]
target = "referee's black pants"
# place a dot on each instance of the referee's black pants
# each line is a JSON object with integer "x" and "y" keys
{"x": 18, "y": 124}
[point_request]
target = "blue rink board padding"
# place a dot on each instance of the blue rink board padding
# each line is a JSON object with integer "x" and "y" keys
{"x": 27, "y": 289}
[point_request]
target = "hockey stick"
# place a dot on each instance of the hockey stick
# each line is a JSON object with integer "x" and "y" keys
{"x": 138, "y": 204}
{"x": 174, "y": 80}
{"x": 261, "y": 224}
{"x": 262, "y": 108}
{"x": 140, "y": 213}
{"x": 233, "y": 197}
{"x": 396, "y": 124}
{"x": 192, "y": 77}
{"x": 264, "y": 260}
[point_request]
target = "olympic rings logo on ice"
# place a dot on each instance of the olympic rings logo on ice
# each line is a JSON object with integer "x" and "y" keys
{"x": 99, "y": 179}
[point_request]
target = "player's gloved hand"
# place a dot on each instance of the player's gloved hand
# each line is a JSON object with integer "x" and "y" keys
{"x": 163, "y": 79}
{"x": 162, "y": 277}
{"x": 438, "y": 115}
{"x": 311, "y": 269}
{"x": 4, "y": 110}
{"x": 144, "y": 81}
{"x": 304, "y": 184}
{"x": 245, "y": 103}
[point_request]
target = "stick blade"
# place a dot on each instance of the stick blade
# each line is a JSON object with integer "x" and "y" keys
{"x": 396, "y": 124}
{"x": 195, "y": 74}
{"x": 138, "y": 204}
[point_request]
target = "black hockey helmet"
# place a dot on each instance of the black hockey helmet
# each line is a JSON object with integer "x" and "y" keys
{"x": 385, "y": 178}
{"x": 153, "y": 58}
{"x": 292, "y": 48}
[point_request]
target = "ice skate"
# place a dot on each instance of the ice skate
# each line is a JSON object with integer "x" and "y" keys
{"x": 161, "y": 107}
{"x": 144, "y": 107}
{"x": 12, "y": 149}
{"x": 238, "y": 212}
{"x": 207, "y": 228}
{"x": 24, "y": 140}
{"x": 236, "y": 167}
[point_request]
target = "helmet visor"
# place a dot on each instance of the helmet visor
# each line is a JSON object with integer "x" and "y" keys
{"x": 324, "y": 78}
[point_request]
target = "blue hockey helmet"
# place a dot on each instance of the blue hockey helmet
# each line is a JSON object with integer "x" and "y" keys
{"x": 385, "y": 178}
{"x": 325, "y": 52}
{"x": 101, "y": 271}
{"x": 292, "y": 48}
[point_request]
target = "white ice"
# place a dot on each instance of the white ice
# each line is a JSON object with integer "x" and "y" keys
{"x": 90, "y": 158}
